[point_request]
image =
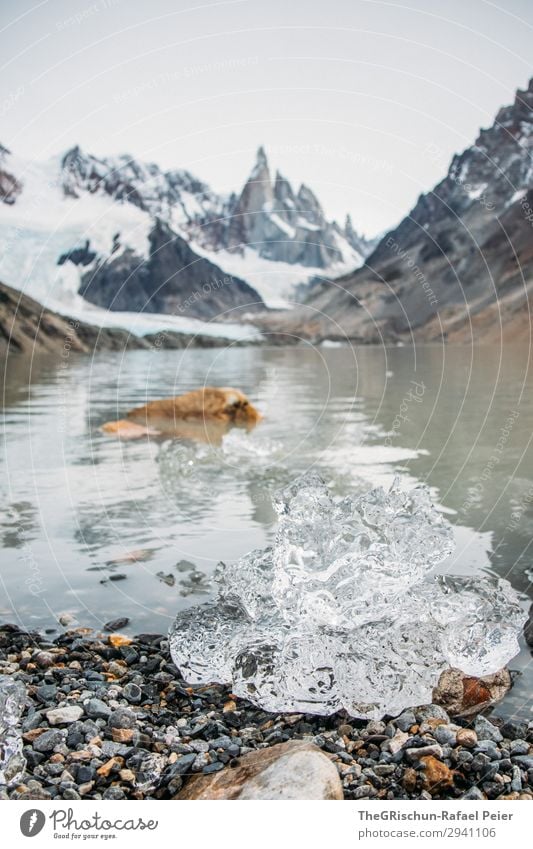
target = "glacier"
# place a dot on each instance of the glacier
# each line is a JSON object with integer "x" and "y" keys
{"x": 12, "y": 702}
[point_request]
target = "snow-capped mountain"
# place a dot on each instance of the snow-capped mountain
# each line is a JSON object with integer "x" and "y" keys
{"x": 460, "y": 265}
{"x": 267, "y": 215}
{"x": 124, "y": 235}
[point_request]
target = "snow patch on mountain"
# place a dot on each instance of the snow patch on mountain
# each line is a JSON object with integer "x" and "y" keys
{"x": 43, "y": 225}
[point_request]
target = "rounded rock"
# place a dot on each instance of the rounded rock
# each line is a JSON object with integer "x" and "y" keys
{"x": 467, "y": 737}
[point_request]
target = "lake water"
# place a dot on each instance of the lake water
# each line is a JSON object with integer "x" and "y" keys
{"x": 79, "y": 508}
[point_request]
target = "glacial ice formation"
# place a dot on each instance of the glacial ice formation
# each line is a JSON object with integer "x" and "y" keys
{"x": 341, "y": 612}
{"x": 12, "y": 701}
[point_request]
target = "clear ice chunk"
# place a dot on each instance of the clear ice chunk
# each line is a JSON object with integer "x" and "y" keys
{"x": 343, "y": 611}
{"x": 150, "y": 771}
{"x": 12, "y": 702}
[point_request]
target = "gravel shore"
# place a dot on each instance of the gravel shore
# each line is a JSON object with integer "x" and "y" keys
{"x": 108, "y": 717}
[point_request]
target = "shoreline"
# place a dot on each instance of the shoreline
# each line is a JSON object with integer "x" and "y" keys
{"x": 108, "y": 717}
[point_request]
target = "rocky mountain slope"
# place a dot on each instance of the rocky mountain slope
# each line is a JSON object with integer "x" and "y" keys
{"x": 460, "y": 265}
{"x": 26, "y": 327}
{"x": 172, "y": 280}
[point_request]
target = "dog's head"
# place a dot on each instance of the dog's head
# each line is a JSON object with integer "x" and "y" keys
{"x": 240, "y": 410}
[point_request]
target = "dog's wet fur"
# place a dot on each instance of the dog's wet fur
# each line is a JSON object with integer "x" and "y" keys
{"x": 203, "y": 414}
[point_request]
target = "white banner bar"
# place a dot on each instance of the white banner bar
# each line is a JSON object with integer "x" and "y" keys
{"x": 293, "y": 824}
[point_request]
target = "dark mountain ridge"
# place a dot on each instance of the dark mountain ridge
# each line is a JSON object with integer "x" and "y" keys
{"x": 461, "y": 263}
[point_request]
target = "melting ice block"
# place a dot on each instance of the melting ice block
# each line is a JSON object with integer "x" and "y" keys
{"x": 342, "y": 611}
{"x": 12, "y": 701}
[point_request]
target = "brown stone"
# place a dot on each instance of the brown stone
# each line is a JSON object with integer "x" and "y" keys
{"x": 106, "y": 768}
{"x": 293, "y": 770}
{"x": 117, "y": 668}
{"x": 464, "y": 695}
{"x": 437, "y": 776}
{"x": 83, "y": 789}
{"x": 474, "y": 692}
{"x": 466, "y": 737}
{"x": 409, "y": 780}
{"x": 30, "y": 736}
{"x": 434, "y": 723}
{"x": 229, "y": 706}
{"x": 82, "y": 755}
{"x": 122, "y": 735}
{"x": 118, "y": 640}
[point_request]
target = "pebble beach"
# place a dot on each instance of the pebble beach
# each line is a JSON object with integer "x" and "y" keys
{"x": 108, "y": 717}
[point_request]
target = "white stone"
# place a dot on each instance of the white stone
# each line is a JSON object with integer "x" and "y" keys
{"x": 64, "y": 715}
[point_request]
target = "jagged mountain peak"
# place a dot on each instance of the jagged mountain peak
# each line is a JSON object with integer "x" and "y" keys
{"x": 260, "y": 172}
{"x": 261, "y": 158}
{"x": 310, "y": 204}
{"x": 283, "y": 192}
{"x": 267, "y": 214}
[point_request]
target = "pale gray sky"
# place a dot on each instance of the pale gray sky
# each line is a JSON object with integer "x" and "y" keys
{"x": 365, "y": 100}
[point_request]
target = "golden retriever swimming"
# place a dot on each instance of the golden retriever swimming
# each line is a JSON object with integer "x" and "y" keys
{"x": 204, "y": 414}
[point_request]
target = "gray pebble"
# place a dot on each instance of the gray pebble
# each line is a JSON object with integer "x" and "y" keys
{"x": 182, "y": 766}
{"x": 214, "y": 767}
{"x": 133, "y": 693}
{"x": 71, "y": 794}
{"x": 221, "y": 743}
{"x": 48, "y": 741}
{"x": 516, "y": 779}
{"x": 473, "y": 793}
{"x": 199, "y": 746}
{"x": 122, "y": 718}
{"x": 488, "y": 748}
{"x": 363, "y": 792}
{"x": 445, "y": 734}
{"x": 46, "y": 693}
{"x": 201, "y": 761}
{"x": 480, "y": 761}
{"x": 525, "y": 761}
{"x": 97, "y": 709}
{"x": 113, "y": 793}
{"x": 415, "y": 754}
{"x": 431, "y": 712}
{"x": 110, "y": 749}
{"x": 514, "y": 728}
{"x": 519, "y": 747}
{"x": 405, "y": 720}
{"x": 485, "y": 730}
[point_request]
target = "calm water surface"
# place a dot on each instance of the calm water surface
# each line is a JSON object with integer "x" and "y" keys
{"x": 80, "y": 508}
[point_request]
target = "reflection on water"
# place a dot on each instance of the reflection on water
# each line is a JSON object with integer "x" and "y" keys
{"x": 80, "y": 508}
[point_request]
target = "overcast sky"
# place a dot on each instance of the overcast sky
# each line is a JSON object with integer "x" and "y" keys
{"x": 364, "y": 100}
